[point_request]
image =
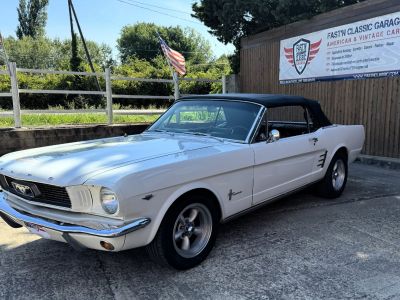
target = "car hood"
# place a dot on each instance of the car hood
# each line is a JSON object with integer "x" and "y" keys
{"x": 71, "y": 164}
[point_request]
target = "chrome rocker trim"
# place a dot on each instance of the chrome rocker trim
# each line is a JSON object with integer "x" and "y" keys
{"x": 10, "y": 215}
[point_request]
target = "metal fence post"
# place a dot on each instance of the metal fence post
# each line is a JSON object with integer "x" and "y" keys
{"x": 12, "y": 67}
{"x": 176, "y": 86}
{"x": 109, "y": 108}
{"x": 223, "y": 84}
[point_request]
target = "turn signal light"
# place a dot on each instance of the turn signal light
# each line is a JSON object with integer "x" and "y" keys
{"x": 106, "y": 245}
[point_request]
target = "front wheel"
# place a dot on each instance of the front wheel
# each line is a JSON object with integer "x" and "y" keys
{"x": 334, "y": 182}
{"x": 187, "y": 233}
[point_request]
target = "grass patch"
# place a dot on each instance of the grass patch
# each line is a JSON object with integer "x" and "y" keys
{"x": 29, "y": 120}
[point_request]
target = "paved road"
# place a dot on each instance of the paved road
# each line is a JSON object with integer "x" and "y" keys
{"x": 302, "y": 247}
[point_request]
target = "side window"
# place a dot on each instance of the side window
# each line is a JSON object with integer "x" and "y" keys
{"x": 288, "y": 120}
{"x": 287, "y": 114}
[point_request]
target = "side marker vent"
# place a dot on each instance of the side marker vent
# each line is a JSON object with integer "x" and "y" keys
{"x": 322, "y": 159}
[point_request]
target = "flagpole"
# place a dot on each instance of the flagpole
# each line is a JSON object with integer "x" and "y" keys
{"x": 174, "y": 75}
{"x": 176, "y": 85}
{"x": 175, "y": 78}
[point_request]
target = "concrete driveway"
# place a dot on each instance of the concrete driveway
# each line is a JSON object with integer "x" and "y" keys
{"x": 302, "y": 247}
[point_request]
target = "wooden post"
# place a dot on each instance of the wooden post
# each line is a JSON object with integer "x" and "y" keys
{"x": 176, "y": 85}
{"x": 12, "y": 67}
{"x": 223, "y": 84}
{"x": 109, "y": 108}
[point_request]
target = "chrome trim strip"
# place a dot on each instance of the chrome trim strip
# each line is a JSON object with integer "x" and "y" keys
{"x": 256, "y": 122}
{"x": 252, "y": 140}
{"x": 7, "y": 211}
{"x": 36, "y": 203}
{"x": 266, "y": 202}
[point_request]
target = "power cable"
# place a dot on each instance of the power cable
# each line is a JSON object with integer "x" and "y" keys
{"x": 158, "y": 50}
{"x": 159, "y": 12}
{"x": 165, "y": 8}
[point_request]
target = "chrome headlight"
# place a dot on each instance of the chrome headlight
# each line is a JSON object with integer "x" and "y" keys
{"x": 109, "y": 201}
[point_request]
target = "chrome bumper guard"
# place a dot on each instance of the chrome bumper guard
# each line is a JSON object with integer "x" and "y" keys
{"x": 10, "y": 215}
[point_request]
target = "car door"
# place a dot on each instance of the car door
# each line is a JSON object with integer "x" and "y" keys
{"x": 285, "y": 165}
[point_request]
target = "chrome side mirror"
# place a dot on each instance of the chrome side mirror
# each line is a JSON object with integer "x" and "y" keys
{"x": 274, "y": 136}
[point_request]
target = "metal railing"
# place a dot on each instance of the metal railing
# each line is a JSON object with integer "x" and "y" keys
{"x": 108, "y": 94}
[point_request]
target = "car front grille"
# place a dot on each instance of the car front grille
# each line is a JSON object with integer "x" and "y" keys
{"x": 44, "y": 193}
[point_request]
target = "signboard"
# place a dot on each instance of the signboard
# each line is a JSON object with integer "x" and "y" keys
{"x": 364, "y": 49}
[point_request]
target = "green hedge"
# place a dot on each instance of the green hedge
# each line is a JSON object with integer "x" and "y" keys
{"x": 134, "y": 68}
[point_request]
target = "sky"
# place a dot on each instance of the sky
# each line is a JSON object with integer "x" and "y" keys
{"x": 102, "y": 20}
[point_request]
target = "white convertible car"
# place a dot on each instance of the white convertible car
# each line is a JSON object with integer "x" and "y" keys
{"x": 205, "y": 161}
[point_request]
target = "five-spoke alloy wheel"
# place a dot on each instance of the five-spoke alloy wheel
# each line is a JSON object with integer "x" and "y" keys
{"x": 338, "y": 174}
{"x": 334, "y": 182}
{"x": 192, "y": 230}
{"x": 187, "y": 232}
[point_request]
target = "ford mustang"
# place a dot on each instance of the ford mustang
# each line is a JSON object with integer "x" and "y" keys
{"x": 206, "y": 160}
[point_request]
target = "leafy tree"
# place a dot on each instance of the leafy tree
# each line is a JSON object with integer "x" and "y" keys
{"x": 231, "y": 20}
{"x": 101, "y": 54}
{"x": 29, "y": 52}
{"x": 53, "y": 53}
{"x": 75, "y": 61}
{"x": 156, "y": 68}
{"x": 141, "y": 41}
{"x": 32, "y": 17}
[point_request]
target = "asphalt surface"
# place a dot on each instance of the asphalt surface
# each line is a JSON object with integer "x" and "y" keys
{"x": 302, "y": 247}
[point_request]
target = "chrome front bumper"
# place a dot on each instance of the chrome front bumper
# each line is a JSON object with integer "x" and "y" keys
{"x": 10, "y": 215}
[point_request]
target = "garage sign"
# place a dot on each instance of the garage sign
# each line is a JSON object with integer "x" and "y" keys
{"x": 364, "y": 49}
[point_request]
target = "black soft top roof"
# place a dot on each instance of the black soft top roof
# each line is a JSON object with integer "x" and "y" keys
{"x": 271, "y": 100}
{"x": 268, "y": 100}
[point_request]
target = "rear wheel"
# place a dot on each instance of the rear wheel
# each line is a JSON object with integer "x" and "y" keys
{"x": 187, "y": 233}
{"x": 334, "y": 182}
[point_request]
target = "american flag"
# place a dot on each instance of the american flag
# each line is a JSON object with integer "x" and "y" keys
{"x": 174, "y": 57}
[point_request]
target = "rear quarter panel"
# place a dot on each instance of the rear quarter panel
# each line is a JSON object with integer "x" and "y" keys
{"x": 330, "y": 140}
{"x": 349, "y": 136}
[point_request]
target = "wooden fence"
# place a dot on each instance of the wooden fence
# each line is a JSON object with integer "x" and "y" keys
{"x": 12, "y": 71}
{"x": 375, "y": 103}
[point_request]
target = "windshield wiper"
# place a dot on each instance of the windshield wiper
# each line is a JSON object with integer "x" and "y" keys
{"x": 161, "y": 130}
{"x": 204, "y": 134}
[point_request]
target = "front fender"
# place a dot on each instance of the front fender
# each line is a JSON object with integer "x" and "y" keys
{"x": 176, "y": 194}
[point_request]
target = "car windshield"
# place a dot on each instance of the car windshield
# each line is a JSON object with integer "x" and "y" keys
{"x": 221, "y": 119}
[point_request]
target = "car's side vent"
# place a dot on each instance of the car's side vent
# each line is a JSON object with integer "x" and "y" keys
{"x": 322, "y": 159}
